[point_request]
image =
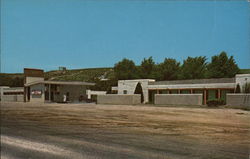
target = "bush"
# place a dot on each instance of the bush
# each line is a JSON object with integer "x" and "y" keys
{"x": 215, "y": 102}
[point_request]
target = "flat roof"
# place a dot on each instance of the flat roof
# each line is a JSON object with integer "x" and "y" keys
{"x": 194, "y": 81}
{"x": 138, "y": 80}
{"x": 194, "y": 86}
{"x": 77, "y": 83}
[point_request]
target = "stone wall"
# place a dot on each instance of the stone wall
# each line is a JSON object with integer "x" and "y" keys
{"x": 238, "y": 99}
{"x": 119, "y": 99}
{"x": 178, "y": 99}
{"x": 12, "y": 98}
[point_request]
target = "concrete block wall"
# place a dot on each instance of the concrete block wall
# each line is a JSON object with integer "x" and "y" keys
{"x": 119, "y": 99}
{"x": 178, "y": 99}
{"x": 12, "y": 98}
{"x": 238, "y": 99}
{"x": 19, "y": 98}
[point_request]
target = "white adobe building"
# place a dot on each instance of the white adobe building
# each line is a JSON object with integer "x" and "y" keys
{"x": 209, "y": 88}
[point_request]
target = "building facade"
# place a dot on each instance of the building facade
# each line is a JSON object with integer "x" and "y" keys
{"x": 36, "y": 89}
{"x": 209, "y": 88}
{"x": 13, "y": 94}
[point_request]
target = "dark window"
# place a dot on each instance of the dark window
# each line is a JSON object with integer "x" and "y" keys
{"x": 12, "y": 93}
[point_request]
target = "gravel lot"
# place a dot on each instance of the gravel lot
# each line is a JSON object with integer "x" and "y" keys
{"x": 33, "y": 131}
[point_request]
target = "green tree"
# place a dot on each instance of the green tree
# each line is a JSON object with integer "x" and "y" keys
{"x": 193, "y": 68}
{"x": 104, "y": 85}
{"x": 125, "y": 69}
{"x": 222, "y": 66}
{"x": 147, "y": 68}
{"x": 168, "y": 70}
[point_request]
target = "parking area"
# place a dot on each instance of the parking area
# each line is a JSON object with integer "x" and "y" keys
{"x": 31, "y": 130}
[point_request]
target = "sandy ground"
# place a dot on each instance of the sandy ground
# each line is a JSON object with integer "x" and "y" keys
{"x": 33, "y": 131}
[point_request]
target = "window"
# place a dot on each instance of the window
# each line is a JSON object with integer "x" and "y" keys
{"x": 12, "y": 93}
{"x": 125, "y": 91}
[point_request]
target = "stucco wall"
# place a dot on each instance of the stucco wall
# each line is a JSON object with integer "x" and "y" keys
{"x": 37, "y": 98}
{"x": 90, "y": 92}
{"x": 12, "y": 98}
{"x": 119, "y": 99}
{"x": 238, "y": 99}
{"x": 179, "y": 99}
{"x": 34, "y": 79}
{"x": 130, "y": 86}
{"x": 242, "y": 79}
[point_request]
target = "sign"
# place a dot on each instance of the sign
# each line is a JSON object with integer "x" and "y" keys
{"x": 36, "y": 92}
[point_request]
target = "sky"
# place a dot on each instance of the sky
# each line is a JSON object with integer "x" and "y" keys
{"x": 77, "y": 34}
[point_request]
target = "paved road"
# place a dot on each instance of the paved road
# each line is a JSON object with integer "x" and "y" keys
{"x": 90, "y": 131}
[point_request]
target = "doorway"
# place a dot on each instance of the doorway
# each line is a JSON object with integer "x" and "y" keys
{"x": 138, "y": 90}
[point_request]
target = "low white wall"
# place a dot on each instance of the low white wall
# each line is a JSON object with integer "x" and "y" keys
{"x": 238, "y": 99}
{"x": 90, "y": 92}
{"x": 178, "y": 99}
{"x": 12, "y": 98}
{"x": 119, "y": 99}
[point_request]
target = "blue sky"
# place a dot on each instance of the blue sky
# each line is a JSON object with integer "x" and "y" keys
{"x": 85, "y": 34}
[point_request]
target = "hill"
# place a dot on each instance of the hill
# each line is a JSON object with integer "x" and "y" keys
{"x": 87, "y": 75}
{"x": 244, "y": 71}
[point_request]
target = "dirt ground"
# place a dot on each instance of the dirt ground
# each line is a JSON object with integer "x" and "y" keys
{"x": 79, "y": 131}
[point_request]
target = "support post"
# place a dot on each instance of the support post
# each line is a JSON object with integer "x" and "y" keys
{"x": 179, "y": 91}
{"x": 205, "y": 97}
{"x": 49, "y": 94}
{"x": 219, "y": 96}
{"x": 158, "y": 92}
{"x": 24, "y": 93}
{"x": 191, "y": 91}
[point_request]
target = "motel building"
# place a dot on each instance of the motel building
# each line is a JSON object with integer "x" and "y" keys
{"x": 36, "y": 89}
{"x": 207, "y": 89}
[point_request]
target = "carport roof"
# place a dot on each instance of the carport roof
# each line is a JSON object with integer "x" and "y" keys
{"x": 78, "y": 83}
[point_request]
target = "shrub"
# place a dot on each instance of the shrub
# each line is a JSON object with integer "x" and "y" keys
{"x": 215, "y": 102}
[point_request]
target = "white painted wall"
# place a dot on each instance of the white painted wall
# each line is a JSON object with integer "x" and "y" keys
{"x": 12, "y": 98}
{"x": 130, "y": 86}
{"x": 90, "y": 92}
{"x": 2, "y": 89}
{"x": 242, "y": 79}
{"x": 34, "y": 79}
